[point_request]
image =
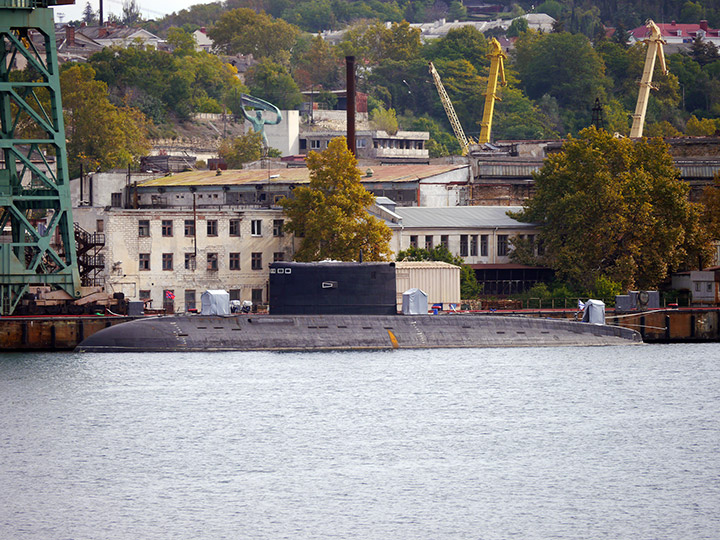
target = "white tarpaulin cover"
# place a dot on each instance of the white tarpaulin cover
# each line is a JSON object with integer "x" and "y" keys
{"x": 414, "y": 302}
{"x": 594, "y": 312}
{"x": 215, "y": 302}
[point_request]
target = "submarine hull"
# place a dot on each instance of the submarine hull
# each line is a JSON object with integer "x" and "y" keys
{"x": 347, "y": 332}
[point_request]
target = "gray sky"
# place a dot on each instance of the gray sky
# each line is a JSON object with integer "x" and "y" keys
{"x": 150, "y": 9}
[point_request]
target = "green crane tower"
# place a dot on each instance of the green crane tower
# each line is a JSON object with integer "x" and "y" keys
{"x": 35, "y": 206}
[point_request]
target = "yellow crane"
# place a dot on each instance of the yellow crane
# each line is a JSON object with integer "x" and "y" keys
{"x": 497, "y": 69}
{"x": 654, "y": 50}
{"x": 450, "y": 111}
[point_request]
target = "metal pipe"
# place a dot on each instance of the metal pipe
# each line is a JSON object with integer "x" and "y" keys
{"x": 350, "y": 91}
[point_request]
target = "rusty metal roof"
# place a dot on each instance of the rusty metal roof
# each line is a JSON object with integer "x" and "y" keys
{"x": 296, "y": 175}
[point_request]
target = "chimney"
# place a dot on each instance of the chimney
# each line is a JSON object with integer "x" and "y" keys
{"x": 350, "y": 85}
{"x": 102, "y": 32}
{"x": 100, "y": 14}
{"x": 70, "y": 35}
{"x": 704, "y": 25}
{"x": 672, "y": 23}
{"x": 203, "y": 30}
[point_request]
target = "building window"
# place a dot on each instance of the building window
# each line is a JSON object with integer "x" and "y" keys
{"x": 100, "y": 225}
{"x": 445, "y": 241}
{"x": 212, "y": 227}
{"x": 464, "y": 245}
{"x": 234, "y": 294}
{"x": 144, "y": 295}
{"x": 473, "y": 245}
{"x": 278, "y": 225}
{"x": 697, "y": 287}
{"x": 413, "y": 241}
{"x": 167, "y": 227}
{"x": 257, "y": 296}
{"x": 315, "y": 144}
{"x": 279, "y": 256}
{"x": 256, "y": 261}
{"x": 116, "y": 200}
{"x": 235, "y": 227}
{"x": 428, "y": 242}
{"x": 189, "y": 261}
{"x": 212, "y": 261}
{"x": 144, "y": 261}
{"x": 167, "y": 261}
{"x": 256, "y": 227}
{"x": 484, "y": 245}
{"x": 189, "y": 299}
{"x": 189, "y": 227}
{"x": 502, "y": 245}
{"x": 709, "y": 287}
{"x": 540, "y": 247}
{"x": 143, "y": 227}
{"x": 234, "y": 261}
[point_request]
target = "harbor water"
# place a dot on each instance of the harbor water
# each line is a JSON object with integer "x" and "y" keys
{"x": 546, "y": 443}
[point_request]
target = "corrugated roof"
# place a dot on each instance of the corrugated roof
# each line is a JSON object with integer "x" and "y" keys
{"x": 464, "y": 217}
{"x": 380, "y": 173}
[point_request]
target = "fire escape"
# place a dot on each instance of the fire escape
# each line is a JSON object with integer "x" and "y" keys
{"x": 91, "y": 262}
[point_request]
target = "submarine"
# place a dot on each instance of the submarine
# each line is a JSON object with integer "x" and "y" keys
{"x": 343, "y": 306}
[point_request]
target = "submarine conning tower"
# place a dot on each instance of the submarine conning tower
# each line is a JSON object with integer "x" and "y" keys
{"x": 332, "y": 288}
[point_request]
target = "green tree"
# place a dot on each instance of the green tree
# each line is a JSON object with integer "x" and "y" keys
{"x": 100, "y": 135}
{"x": 247, "y": 32}
{"x": 705, "y": 127}
{"x": 330, "y": 215}
{"x": 240, "y": 150}
{"x": 272, "y": 82}
{"x": 517, "y": 26}
{"x": 385, "y": 120}
{"x": 615, "y": 208}
{"x": 182, "y": 42}
{"x": 469, "y": 286}
{"x": 88, "y": 14}
{"x": 564, "y": 66}
{"x": 318, "y": 65}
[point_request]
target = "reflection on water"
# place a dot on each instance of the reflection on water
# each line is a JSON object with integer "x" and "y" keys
{"x": 485, "y": 443}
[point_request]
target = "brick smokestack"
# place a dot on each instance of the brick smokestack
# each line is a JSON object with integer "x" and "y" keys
{"x": 70, "y": 35}
{"x": 350, "y": 85}
{"x": 704, "y": 25}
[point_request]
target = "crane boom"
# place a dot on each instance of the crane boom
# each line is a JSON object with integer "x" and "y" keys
{"x": 654, "y": 50}
{"x": 497, "y": 68}
{"x": 450, "y": 111}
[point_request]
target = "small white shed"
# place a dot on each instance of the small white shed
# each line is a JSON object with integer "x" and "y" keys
{"x": 215, "y": 302}
{"x": 414, "y": 302}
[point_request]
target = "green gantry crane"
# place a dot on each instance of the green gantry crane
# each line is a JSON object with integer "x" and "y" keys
{"x": 37, "y": 246}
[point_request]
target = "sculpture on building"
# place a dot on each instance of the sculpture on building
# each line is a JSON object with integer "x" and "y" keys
{"x": 257, "y": 120}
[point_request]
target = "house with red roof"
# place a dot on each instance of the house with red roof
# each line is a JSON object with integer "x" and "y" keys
{"x": 679, "y": 35}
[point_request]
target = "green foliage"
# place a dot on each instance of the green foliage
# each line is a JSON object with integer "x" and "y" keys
{"x": 240, "y": 150}
{"x": 701, "y": 127}
{"x": 272, "y": 82}
{"x": 181, "y": 41}
{"x": 517, "y": 27}
{"x": 245, "y": 31}
{"x": 564, "y": 66}
{"x": 616, "y": 208}
{"x": 318, "y": 64}
{"x": 330, "y": 214}
{"x": 384, "y": 120}
{"x": 162, "y": 84}
{"x": 100, "y": 135}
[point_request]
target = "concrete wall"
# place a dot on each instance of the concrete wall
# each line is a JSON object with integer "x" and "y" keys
{"x": 285, "y": 136}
